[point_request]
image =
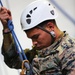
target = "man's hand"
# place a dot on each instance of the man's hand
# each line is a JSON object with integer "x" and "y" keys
{"x": 5, "y": 15}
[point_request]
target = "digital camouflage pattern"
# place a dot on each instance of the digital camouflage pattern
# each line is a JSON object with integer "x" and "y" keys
{"x": 57, "y": 59}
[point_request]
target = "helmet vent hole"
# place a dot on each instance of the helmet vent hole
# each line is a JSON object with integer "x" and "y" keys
{"x": 52, "y": 12}
{"x": 28, "y": 16}
{"x": 49, "y": 4}
{"x": 31, "y": 11}
{"x": 28, "y": 21}
{"x": 35, "y": 8}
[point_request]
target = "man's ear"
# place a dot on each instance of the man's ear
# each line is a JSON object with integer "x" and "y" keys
{"x": 50, "y": 26}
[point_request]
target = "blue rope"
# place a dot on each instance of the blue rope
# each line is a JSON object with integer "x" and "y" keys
{"x": 11, "y": 27}
{"x": 1, "y": 3}
{"x": 18, "y": 46}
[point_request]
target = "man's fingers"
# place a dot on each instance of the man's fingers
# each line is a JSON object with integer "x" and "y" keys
{"x": 9, "y": 12}
{"x": 3, "y": 8}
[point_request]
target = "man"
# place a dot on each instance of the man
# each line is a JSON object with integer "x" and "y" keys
{"x": 56, "y": 49}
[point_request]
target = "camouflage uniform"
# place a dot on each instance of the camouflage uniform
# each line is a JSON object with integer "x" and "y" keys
{"x": 57, "y": 59}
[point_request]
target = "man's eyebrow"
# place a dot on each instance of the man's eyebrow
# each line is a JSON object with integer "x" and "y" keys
{"x": 34, "y": 36}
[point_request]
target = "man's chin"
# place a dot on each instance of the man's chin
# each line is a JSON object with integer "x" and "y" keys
{"x": 38, "y": 48}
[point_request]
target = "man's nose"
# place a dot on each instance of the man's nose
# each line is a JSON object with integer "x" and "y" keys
{"x": 34, "y": 43}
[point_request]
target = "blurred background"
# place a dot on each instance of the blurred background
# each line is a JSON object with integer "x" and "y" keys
{"x": 65, "y": 21}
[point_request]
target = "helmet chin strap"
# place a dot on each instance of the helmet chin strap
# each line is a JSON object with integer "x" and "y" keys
{"x": 52, "y": 33}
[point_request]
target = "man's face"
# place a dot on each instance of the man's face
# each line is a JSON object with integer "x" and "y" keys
{"x": 40, "y": 38}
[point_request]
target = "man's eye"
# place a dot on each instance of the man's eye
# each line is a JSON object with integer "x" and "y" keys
{"x": 35, "y": 36}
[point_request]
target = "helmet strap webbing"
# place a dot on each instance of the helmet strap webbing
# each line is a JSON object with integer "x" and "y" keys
{"x": 53, "y": 37}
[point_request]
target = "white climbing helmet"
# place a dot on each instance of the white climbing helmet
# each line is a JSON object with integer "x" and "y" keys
{"x": 37, "y": 12}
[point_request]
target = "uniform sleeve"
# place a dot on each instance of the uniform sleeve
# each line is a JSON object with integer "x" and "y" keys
{"x": 11, "y": 57}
